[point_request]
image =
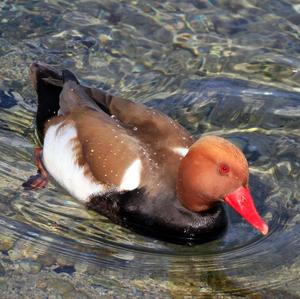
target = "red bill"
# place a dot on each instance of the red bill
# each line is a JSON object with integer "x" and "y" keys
{"x": 241, "y": 201}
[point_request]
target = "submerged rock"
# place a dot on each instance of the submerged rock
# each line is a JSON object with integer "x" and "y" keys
{"x": 59, "y": 285}
{"x": 46, "y": 260}
{"x": 6, "y": 243}
{"x": 75, "y": 295}
{"x": 30, "y": 266}
{"x": 2, "y": 270}
{"x": 3, "y": 286}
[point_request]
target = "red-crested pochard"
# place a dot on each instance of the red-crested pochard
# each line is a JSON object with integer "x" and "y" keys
{"x": 134, "y": 164}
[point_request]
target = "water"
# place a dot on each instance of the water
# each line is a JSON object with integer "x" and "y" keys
{"x": 229, "y": 68}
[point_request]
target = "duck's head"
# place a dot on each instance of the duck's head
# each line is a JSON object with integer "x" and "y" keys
{"x": 216, "y": 170}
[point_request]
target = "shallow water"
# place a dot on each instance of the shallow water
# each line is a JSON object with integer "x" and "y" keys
{"x": 229, "y": 68}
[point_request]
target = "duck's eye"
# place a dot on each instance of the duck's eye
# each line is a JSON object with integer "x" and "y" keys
{"x": 224, "y": 168}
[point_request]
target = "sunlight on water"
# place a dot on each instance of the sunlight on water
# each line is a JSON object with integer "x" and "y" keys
{"x": 229, "y": 68}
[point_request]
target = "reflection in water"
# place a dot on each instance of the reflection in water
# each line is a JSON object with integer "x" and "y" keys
{"x": 223, "y": 67}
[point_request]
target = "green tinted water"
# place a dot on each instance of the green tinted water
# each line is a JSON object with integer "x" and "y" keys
{"x": 224, "y": 67}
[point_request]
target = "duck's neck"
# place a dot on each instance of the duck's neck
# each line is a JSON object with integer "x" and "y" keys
{"x": 191, "y": 201}
{"x": 188, "y": 188}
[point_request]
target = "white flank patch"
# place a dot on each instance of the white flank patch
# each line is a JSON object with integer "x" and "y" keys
{"x": 181, "y": 151}
{"x": 132, "y": 176}
{"x": 59, "y": 159}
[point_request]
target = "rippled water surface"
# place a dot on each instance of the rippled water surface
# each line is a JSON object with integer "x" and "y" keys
{"x": 225, "y": 67}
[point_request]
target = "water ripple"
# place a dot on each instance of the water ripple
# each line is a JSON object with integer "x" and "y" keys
{"x": 218, "y": 67}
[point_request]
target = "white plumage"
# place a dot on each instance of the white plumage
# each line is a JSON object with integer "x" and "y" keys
{"x": 59, "y": 159}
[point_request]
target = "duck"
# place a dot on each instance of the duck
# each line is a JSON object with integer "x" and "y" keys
{"x": 134, "y": 164}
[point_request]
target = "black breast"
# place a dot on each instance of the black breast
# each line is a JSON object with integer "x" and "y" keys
{"x": 162, "y": 218}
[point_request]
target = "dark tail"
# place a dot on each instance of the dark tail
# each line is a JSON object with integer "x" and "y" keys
{"x": 69, "y": 76}
{"x": 47, "y": 82}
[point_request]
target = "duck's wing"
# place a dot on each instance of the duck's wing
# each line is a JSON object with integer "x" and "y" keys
{"x": 94, "y": 148}
{"x": 73, "y": 95}
{"x": 149, "y": 125}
